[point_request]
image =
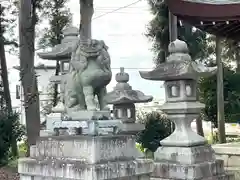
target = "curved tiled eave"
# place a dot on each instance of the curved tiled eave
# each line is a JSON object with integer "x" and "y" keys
{"x": 205, "y": 11}
{"x": 218, "y": 19}
{"x": 227, "y": 29}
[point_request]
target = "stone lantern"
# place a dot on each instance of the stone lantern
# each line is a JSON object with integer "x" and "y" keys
{"x": 180, "y": 74}
{"x": 184, "y": 154}
{"x": 62, "y": 53}
{"x": 123, "y": 98}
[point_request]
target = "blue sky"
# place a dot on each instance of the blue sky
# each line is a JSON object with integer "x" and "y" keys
{"x": 123, "y": 31}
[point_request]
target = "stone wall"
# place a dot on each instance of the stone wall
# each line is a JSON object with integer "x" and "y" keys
{"x": 230, "y": 153}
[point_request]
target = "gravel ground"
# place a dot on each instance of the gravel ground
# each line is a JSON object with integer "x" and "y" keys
{"x": 8, "y": 174}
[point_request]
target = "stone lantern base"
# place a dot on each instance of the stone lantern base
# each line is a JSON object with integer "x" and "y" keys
{"x": 85, "y": 158}
{"x": 188, "y": 163}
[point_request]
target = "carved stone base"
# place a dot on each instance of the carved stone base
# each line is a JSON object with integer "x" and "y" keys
{"x": 185, "y": 155}
{"x": 66, "y": 170}
{"x": 218, "y": 177}
{"x": 131, "y": 128}
{"x": 188, "y": 163}
{"x": 90, "y": 127}
{"x": 85, "y": 158}
{"x": 141, "y": 177}
{"x": 93, "y": 149}
{"x": 172, "y": 170}
{"x": 87, "y": 115}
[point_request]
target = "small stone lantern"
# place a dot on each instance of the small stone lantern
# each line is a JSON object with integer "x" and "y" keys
{"x": 123, "y": 98}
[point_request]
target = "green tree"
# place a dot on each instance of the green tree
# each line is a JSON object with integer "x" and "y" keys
{"x": 59, "y": 17}
{"x": 157, "y": 127}
{"x": 158, "y": 32}
{"x": 5, "y": 26}
{"x": 231, "y": 52}
{"x": 11, "y": 131}
{"x": 208, "y": 95}
{"x": 7, "y": 23}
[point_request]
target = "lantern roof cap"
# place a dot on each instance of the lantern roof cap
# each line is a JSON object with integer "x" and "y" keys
{"x": 123, "y": 92}
{"x": 179, "y": 66}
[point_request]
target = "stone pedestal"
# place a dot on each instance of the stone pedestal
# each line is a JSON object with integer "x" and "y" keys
{"x": 85, "y": 158}
{"x": 188, "y": 163}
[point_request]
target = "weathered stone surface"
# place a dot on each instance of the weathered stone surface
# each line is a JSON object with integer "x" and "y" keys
{"x": 52, "y": 119}
{"x": 185, "y": 155}
{"x": 123, "y": 92}
{"x": 88, "y": 149}
{"x": 218, "y": 177}
{"x": 183, "y": 135}
{"x": 123, "y": 98}
{"x": 227, "y": 148}
{"x": 87, "y": 115}
{"x": 172, "y": 170}
{"x": 81, "y": 171}
{"x": 141, "y": 177}
{"x": 89, "y": 74}
{"x": 46, "y": 133}
{"x": 131, "y": 128}
{"x": 178, "y": 66}
{"x": 63, "y": 50}
{"x": 230, "y": 154}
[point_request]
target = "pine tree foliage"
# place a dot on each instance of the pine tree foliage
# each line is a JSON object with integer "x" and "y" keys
{"x": 59, "y": 17}
{"x": 8, "y": 18}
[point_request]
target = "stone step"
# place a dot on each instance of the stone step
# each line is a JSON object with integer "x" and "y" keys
{"x": 77, "y": 170}
{"x": 90, "y": 149}
{"x": 218, "y": 177}
{"x": 171, "y": 170}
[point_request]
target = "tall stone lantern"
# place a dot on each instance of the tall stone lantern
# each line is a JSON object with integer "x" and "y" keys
{"x": 62, "y": 53}
{"x": 123, "y": 98}
{"x": 184, "y": 154}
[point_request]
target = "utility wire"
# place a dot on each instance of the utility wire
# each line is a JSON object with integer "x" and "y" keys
{"x": 123, "y": 7}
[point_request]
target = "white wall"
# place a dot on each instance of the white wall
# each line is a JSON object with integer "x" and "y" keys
{"x": 43, "y": 83}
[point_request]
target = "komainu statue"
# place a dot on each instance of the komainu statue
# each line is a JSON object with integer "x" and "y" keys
{"x": 90, "y": 73}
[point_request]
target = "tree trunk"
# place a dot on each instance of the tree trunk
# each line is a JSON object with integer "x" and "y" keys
{"x": 86, "y": 13}
{"x": 220, "y": 94}
{"x": 237, "y": 51}
{"x": 6, "y": 91}
{"x": 4, "y": 74}
{"x": 173, "y": 34}
{"x": 199, "y": 126}
{"x": 55, "y": 95}
{"x": 27, "y": 73}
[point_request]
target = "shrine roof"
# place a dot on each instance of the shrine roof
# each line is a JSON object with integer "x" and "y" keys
{"x": 219, "y": 17}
